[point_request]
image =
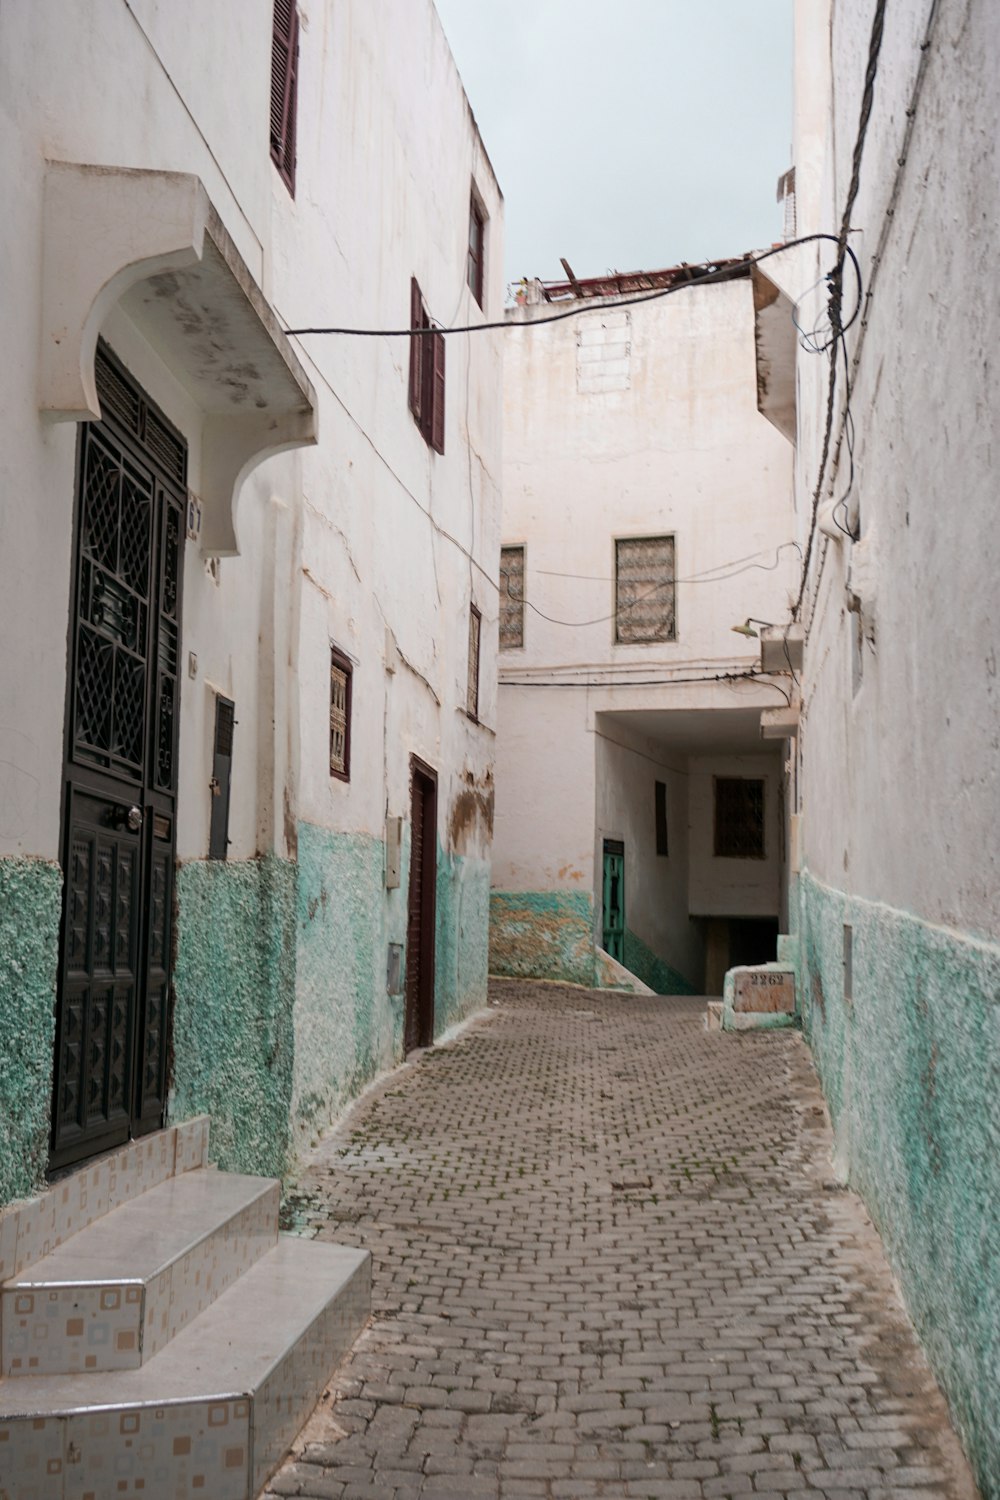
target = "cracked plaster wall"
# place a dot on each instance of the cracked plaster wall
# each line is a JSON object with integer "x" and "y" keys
{"x": 899, "y": 768}
{"x": 909, "y": 1066}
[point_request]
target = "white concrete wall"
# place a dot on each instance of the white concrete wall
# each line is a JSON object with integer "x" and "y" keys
{"x": 369, "y": 538}
{"x": 722, "y": 887}
{"x": 906, "y": 757}
{"x": 683, "y": 450}
{"x": 656, "y": 885}
{"x": 616, "y": 429}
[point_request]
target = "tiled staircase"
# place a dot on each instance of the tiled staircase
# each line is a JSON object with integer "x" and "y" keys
{"x": 158, "y": 1337}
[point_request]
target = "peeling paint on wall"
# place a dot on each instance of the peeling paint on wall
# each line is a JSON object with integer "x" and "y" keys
{"x": 542, "y": 935}
{"x": 345, "y": 1023}
{"x": 909, "y": 1066}
{"x": 234, "y": 986}
{"x": 30, "y": 907}
{"x": 461, "y": 957}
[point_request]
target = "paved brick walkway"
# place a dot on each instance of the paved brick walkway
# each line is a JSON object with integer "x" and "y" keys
{"x": 610, "y": 1260}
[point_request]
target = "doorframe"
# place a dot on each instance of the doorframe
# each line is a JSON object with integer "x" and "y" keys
{"x": 616, "y": 849}
{"x": 89, "y": 779}
{"x": 420, "y": 770}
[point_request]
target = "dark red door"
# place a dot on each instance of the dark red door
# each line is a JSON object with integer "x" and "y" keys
{"x": 418, "y": 1026}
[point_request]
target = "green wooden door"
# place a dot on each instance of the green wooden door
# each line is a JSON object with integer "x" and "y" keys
{"x": 614, "y": 899}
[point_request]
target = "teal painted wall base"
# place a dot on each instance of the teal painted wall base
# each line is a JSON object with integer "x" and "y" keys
{"x": 30, "y": 908}
{"x": 910, "y": 1067}
{"x": 653, "y": 970}
{"x": 234, "y": 987}
{"x": 282, "y": 1014}
{"x": 550, "y": 935}
{"x": 461, "y": 950}
{"x": 542, "y": 935}
{"x": 343, "y": 1027}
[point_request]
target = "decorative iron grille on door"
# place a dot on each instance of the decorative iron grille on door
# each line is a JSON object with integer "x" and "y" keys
{"x": 121, "y": 774}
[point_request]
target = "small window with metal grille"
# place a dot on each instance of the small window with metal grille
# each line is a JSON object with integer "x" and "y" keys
{"x": 472, "y": 688}
{"x": 477, "y": 248}
{"x": 341, "y": 674}
{"x": 511, "y": 597}
{"x": 739, "y": 818}
{"x": 644, "y": 590}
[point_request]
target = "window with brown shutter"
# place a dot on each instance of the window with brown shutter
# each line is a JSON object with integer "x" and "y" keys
{"x": 284, "y": 70}
{"x": 427, "y": 388}
{"x": 340, "y": 715}
{"x": 477, "y": 249}
{"x": 472, "y": 690}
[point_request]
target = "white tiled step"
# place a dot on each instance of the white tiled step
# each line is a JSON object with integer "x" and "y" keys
{"x": 215, "y": 1412}
{"x": 114, "y": 1294}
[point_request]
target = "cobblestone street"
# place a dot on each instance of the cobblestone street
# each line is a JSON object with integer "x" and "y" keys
{"x": 610, "y": 1259}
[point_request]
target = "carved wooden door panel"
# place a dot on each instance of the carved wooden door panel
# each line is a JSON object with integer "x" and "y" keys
{"x": 121, "y": 772}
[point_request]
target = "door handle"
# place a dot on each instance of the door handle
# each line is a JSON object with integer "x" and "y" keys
{"x": 127, "y": 818}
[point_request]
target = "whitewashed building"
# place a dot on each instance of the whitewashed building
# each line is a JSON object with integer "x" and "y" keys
{"x": 248, "y": 591}
{"x": 647, "y": 511}
{"x": 241, "y": 574}
{"x": 896, "y": 901}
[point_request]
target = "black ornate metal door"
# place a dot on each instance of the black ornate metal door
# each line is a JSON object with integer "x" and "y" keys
{"x": 121, "y": 776}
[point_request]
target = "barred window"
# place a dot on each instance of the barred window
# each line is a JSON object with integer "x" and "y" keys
{"x": 472, "y": 689}
{"x": 511, "y": 597}
{"x": 644, "y": 589}
{"x": 340, "y": 715}
{"x": 739, "y": 818}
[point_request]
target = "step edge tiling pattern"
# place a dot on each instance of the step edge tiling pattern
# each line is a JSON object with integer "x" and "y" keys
{"x": 51, "y": 1328}
{"x": 30, "y": 1227}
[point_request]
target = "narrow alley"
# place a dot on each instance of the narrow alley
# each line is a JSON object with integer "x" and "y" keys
{"x": 610, "y": 1259}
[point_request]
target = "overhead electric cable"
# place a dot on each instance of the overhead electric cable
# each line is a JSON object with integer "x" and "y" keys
{"x": 667, "y": 583}
{"x": 836, "y": 279}
{"x": 724, "y": 273}
{"x": 652, "y": 682}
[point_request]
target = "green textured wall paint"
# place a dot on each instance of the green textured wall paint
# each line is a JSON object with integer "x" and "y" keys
{"x": 234, "y": 983}
{"x": 641, "y": 961}
{"x": 30, "y": 910}
{"x": 542, "y": 935}
{"x": 461, "y": 951}
{"x": 346, "y": 1027}
{"x": 910, "y": 1068}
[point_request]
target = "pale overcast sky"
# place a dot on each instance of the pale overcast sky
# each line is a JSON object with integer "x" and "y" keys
{"x": 630, "y": 134}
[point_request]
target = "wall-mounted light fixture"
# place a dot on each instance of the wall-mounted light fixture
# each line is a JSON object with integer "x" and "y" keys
{"x": 747, "y": 627}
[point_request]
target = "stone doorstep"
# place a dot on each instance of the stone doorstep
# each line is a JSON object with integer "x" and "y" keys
{"x": 112, "y": 1295}
{"x": 34, "y": 1227}
{"x": 216, "y": 1410}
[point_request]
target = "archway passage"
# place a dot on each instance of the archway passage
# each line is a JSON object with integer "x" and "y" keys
{"x": 120, "y": 774}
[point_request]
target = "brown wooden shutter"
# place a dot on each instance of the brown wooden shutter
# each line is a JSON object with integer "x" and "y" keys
{"x": 437, "y": 404}
{"x": 416, "y": 350}
{"x": 284, "y": 70}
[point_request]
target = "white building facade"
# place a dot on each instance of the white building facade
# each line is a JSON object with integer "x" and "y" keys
{"x": 897, "y": 896}
{"x": 248, "y": 581}
{"x": 647, "y": 511}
